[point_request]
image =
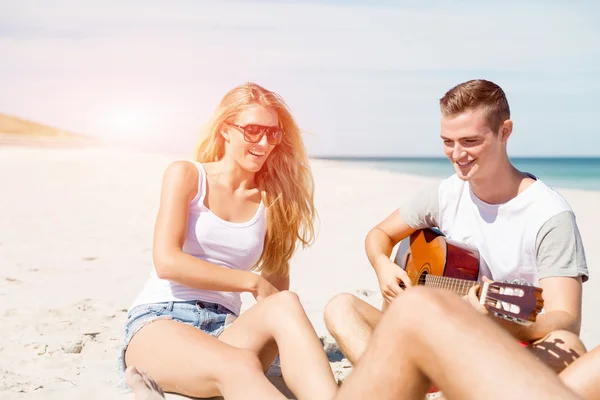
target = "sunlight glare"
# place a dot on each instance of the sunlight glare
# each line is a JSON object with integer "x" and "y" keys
{"x": 129, "y": 123}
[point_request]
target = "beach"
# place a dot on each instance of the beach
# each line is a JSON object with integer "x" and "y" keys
{"x": 76, "y": 229}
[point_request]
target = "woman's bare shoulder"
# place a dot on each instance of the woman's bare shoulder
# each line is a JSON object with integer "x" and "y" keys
{"x": 181, "y": 174}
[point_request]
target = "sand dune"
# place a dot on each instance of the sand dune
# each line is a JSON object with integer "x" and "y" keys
{"x": 15, "y": 131}
{"x": 13, "y": 125}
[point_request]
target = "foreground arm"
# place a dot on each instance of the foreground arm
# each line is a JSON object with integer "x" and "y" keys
{"x": 180, "y": 185}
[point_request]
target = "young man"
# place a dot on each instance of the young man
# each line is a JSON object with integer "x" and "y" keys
{"x": 523, "y": 230}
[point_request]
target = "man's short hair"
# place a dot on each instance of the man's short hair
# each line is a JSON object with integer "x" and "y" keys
{"x": 473, "y": 94}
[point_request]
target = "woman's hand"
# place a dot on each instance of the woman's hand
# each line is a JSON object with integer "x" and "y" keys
{"x": 262, "y": 288}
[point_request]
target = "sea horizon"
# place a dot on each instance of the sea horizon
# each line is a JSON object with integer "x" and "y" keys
{"x": 569, "y": 172}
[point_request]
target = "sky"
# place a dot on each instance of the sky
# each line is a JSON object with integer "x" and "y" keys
{"x": 362, "y": 78}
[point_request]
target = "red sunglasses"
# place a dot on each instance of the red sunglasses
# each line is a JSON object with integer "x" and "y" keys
{"x": 254, "y": 133}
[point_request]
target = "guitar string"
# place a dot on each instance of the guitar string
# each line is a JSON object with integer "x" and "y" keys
{"x": 444, "y": 282}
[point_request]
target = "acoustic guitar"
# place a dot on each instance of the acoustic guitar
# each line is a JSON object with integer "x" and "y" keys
{"x": 431, "y": 259}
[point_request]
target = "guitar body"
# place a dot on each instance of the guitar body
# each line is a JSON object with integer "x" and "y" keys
{"x": 431, "y": 253}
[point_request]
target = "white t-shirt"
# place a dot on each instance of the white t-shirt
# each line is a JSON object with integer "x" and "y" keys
{"x": 530, "y": 237}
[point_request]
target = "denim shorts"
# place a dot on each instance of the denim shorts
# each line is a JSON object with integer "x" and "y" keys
{"x": 210, "y": 318}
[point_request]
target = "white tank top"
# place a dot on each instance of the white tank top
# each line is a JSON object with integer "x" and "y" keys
{"x": 210, "y": 238}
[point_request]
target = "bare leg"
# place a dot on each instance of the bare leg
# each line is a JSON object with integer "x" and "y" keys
{"x": 143, "y": 386}
{"x": 351, "y": 322}
{"x": 183, "y": 359}
{"x": 280, "y": 322}
{"x": 430, "y": 334}
{"x": 558, "y": 349}
{"x": 583, "y": 376}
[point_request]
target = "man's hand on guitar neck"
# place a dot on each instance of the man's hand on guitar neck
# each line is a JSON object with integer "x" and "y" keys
{"x": 391, "y": 277}
{"x": 562, "y": 310}
{"x": 473, "y": 297}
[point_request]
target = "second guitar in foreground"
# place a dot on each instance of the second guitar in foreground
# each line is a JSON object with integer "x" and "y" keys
{"x": 431, "y": 259}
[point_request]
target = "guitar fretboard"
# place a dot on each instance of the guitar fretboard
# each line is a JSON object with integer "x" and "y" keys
{"x": 460, "y": 286}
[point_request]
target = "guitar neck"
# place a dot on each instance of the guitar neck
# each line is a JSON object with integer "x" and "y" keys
{"x": 460, "y": 286}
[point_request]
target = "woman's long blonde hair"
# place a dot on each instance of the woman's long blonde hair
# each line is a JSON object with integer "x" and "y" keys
{"x": 285, "y": 179}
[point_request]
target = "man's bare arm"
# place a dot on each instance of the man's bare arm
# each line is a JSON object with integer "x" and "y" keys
{"x": 421, "y": 211}
{"x": 562, "y": 305}
{"x": 384, "y": 236}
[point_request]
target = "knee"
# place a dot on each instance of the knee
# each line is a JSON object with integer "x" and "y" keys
{"x": 284, "y": 300}
{"x": 338, "y": 309}
{"x": 284, "y": 304}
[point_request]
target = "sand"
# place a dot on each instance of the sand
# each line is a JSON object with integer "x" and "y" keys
{"x": 75, "y": 238}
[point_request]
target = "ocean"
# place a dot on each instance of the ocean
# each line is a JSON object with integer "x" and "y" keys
{"x": 558, "y": 172}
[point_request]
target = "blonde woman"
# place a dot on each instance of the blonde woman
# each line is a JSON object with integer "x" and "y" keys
{"x": 244, "y": 205}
